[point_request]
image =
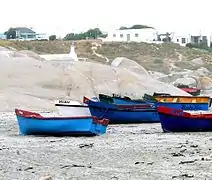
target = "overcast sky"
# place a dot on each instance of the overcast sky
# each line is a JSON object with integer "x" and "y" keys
{"x": 63, "y": 16}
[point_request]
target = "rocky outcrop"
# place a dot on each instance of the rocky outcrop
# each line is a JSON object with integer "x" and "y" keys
{"x": 197, "y": 62}
{"x": 34, "y": 84}
{"x": 129, "y": 64}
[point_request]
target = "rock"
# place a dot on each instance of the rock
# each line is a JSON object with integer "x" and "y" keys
{"x": 156, "y": 75}
{"x": 202, "y": 72}
{"x": 6, "y": 55}
{"x": 177, "y": 154}
{"x": 32, "y": 55}
{"x": 3, "y": 48}
{"x": 139, "y": 162}
{"x": 123, "y": 62}
{"x": 46, "y": 178}
{"x": 205, "y": 83}
{"x": 114, "y": 177}
{"x": 188, "y": 162}
{"x": 198, "y": 61}
{"x": 28, "y": 168}
{"x": 86, "y": 145}
{"x": 194, "y": 146}
{"x": 173, "y": 76}
{"x": 189, "y": 81}
{"x": 42, "y": 82}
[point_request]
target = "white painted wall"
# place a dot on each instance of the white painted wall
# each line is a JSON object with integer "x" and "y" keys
{"x": 177, "y": 38}
{"x": 42, "y": 36}
{"x": 136, "y": 35}
{"x": 182, "y": 40}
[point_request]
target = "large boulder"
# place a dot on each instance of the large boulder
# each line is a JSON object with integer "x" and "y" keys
{"x": 129, "y": 64}
{"x": 32, "y": 55}
{"x": 31, "y": 84}
{"x": 189, "y": 81}
{"x": 205, "y": 83}
{"x": 197, "y": 62}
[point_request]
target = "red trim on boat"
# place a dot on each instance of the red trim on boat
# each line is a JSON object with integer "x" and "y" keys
{"x": 180, "y": 112}
{"x": 85, "y": 100}
{"x": 184, "y": 96}
{"x": 103, "y": 121}
{"x": 28, "y": 114}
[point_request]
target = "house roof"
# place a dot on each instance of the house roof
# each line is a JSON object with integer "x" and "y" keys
{"x": 24, "y": 30}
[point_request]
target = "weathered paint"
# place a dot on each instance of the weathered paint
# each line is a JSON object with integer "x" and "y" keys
{"x": 182, "y": 99}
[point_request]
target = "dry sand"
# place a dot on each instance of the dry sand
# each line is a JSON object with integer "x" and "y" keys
{"x": 134, "y": 152}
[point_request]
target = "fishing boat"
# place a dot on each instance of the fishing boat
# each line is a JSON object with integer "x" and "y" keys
{"x": 116, "y": 99}
{"x": 190, "y": 103}
{"x": 72, "y": 108}
{"x": 31, "y": 123}
{"x": 177, "y": 120}
{"x": 122, "y": 113}
{"x": 190, "y": 90}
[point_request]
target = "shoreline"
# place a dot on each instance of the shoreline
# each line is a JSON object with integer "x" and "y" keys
{"x": 133, "y": 151}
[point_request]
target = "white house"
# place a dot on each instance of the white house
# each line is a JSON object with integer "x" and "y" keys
{"x": 136, "y": 35}
{"x": 193, "y": 38}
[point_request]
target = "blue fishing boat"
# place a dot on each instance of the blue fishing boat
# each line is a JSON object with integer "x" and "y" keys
{"x": 177, "y": 120}
{"x": 116, "y": 99}
{"x": 31, "y": 123}
{"x": 120, "y": 114}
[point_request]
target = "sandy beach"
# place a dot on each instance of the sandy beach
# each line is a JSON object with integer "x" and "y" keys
{"x": 135, "y": 152}
{"x": 125, "y": 152}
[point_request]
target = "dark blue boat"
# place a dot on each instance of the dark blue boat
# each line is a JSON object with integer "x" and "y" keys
{"x": 31, "y": 123}
{"x": 176, "y": 120}
{"x": 120, "y": 114}
{"x": 148, "y": 99}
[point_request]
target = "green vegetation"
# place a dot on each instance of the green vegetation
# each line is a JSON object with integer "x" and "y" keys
{"x": 11, "y": 33}
{"x": 52, "y": 37}
{"x": 96, "y": 32}
{"x": 90, "y": 34}
{"x": 199, "y": 46}
{"x": 155, "y": 57}
{"x": 136, "y": 26}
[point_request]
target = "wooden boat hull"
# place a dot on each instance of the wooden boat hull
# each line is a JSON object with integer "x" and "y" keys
{"x": 175, "y": 120}
{"x": 123, "y": 114}
{"x": 34, "y": 124}
{"x": 189, "y": 103}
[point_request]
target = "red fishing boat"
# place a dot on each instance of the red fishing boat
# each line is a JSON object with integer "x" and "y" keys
{"x": 192, "y": 91}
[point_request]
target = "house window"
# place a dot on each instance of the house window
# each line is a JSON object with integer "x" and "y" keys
{"x": 183, "y": 40}
{"x": 177, "y": 40}
{"x": 136, "y": 35}
{"x": 121, "y": 35}
{"x": 114, "y": 35}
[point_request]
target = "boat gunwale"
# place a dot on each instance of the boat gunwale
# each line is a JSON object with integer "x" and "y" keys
{"x": 124, "y": 109}
{"x": 182, "y": 102}
{"x": 72, "y": 105}
{"x": 180, "y": 113}
{"x": 198, "y": 97}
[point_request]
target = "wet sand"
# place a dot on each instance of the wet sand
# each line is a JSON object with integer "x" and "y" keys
{"x": 135, "y": 152}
